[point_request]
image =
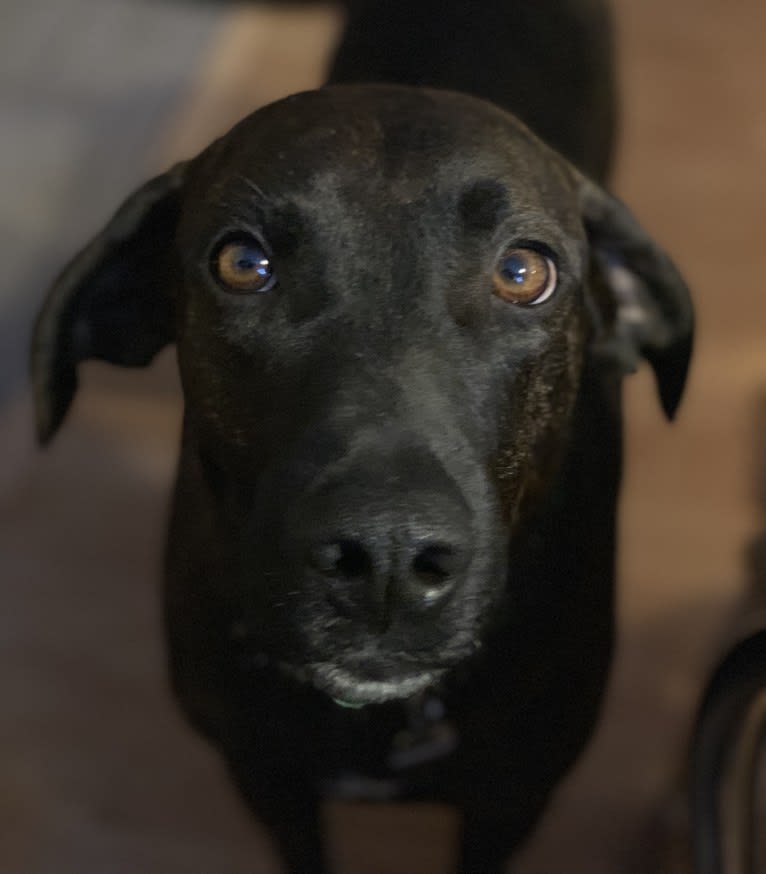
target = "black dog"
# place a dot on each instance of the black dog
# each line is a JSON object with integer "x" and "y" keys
{"x": 402, "y": 323}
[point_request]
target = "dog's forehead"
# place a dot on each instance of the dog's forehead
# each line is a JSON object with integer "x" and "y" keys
{"x": 398, "y": 143}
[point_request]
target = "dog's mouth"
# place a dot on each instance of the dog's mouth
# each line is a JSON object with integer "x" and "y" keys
{"x": 357, "y": 678}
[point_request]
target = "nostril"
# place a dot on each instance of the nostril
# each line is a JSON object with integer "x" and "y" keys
{"x": 434, "y": 565}
{"x": 341, "y": 558}
{"x": 354, "y": 560}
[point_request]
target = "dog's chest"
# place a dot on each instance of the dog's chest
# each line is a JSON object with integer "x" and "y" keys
{"x": 398, "y": 764}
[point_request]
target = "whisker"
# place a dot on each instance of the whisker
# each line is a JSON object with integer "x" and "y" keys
{"x": 253, "y": 186}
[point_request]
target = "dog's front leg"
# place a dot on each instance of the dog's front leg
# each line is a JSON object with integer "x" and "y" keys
{"x": 289, "y": 808}
{"x": 490, "y": 835}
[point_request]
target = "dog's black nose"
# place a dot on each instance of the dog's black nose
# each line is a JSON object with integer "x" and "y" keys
{"x": 377, "y": 577}
{"x": 381, "y": 551}
{"x": 385, "y": 537}
{"x": 388, "y": 570}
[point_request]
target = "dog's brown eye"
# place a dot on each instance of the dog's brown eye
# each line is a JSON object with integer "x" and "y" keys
{"x": 524, "y": 276}
{"x": 242, "y": 266}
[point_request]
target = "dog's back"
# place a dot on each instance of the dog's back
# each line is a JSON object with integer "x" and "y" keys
{"x": 547, "y": 61}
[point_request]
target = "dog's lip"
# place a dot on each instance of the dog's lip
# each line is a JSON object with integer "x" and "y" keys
{"x": 350, "y": 688}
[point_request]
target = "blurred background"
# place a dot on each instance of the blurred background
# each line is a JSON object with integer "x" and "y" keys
{"x": 98, "y": 772}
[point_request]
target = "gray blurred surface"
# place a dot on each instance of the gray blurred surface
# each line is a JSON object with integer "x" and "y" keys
{"x": 86, "y": 87}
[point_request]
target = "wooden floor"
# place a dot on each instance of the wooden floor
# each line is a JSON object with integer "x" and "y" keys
{"x": 98, "y": 773}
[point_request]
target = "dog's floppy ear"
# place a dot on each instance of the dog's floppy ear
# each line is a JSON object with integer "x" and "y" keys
{"x": 651, "y": 311}
{"x": 111, "y": 301}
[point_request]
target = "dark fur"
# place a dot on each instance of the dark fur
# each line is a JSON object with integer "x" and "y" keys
{"x": 381, "y": 395}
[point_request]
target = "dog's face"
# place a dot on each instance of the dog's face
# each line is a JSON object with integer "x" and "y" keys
{"x": 382, "y": 302}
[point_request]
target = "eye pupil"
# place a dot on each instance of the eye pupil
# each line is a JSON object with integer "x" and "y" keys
{"x": 251, "y": 260}
{"x": 515, "y": 269}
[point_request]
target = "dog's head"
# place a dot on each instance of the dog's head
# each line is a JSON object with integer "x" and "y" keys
{"x": 382, "y": 300}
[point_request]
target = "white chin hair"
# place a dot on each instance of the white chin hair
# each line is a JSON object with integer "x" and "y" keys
{"x": 349, "y": 690}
